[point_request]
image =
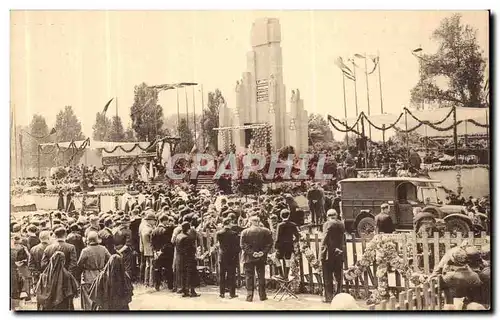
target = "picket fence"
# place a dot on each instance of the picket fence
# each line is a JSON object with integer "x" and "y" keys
{"x": 425, "y": 256}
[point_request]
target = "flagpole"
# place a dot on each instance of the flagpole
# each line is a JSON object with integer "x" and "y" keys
{"x": 194, "y": 114}
{"x": 187, "y": 107}
{"x": 355, "y": 91}
{"x": 345, "y": 107}
{"x": 380, "y": 84}
{"x": 178, "y": 109}
{"x": 202, "y": 117}
{"x": 368, "y": 97}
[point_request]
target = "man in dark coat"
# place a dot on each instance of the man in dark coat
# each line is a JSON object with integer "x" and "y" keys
{"x": 229, "y": 247}
{"x": 106, "y": 235}
{"x": 75, "y": 238}
{"x": 94, "y": 225}
{"x": 332, "y": 254}
{"x": 383, "y": 221}
{"x": 135, "y": 222}
{"x": 69, "y": 251}
{"x": 186, "y": 252}
{"x": 32, "y": 240}
{"x": 287, "y": 234}
{"x": 92, "y": 261}
{"x": 256, "y": 242}
{"x": 123, "y": 245}
{"x": 316, "y": 198}
{"x": 164, "y": 252}
{"x": 36, "y": 255}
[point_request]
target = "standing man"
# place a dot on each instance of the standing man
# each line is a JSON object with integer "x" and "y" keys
{"x": 123, "y": 245}
{"x": 164, "y": 252}
{"x": 36, "y": 254}
{"x": 256, "y": 242}
{"x": 147, "y": 248}
{"x": 186, "y": 251}
{"x": 316, "y": 198}
{"x": 383, "y": 221}
{"x": 332, "y": 253}
{"x": 69, "y": 251}
{"x": 94, "y": 225}
{"x": 287, "y": 234}
{"x": 92, "y": 261}
{"x": 229, "y": 255}
{"x": 106, "y": 235}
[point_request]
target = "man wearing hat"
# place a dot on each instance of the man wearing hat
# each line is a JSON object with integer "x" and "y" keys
{"x": 331, "y": 254}
{"x": 287, "y": 234}
{"x": 185, "y": 245}
{"x": 36, "y": 254}
{"x": 256, "y": 242}
{"x": 69, "y": 251}
{"x": 106, "y": 235}
{"x": 75, "y": 238}
{"x": 94, "y": 225}
{"x": 146, "y": 246}
{"x": 92, "y": 261}
{"x": 316, "y": 198}
{"x": 228, "y": 258}
{"x": 164, "y": 252}
{"x": 32, "y": 237}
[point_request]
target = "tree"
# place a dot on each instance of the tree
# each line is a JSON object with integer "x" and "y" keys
{"x": 186, "y": 143}
{"x": 101, "y": 127}
{"x": 319, "y": 130}
{"x": 146, "y": 114}
{"x": 68, "y": 127}
{"x": 211, "y": 117}
{"x": 459, "y": 60}
{"x": 129, "y": 134}
{"x": 38, "y": 133}
{"x": 116, "y": 132}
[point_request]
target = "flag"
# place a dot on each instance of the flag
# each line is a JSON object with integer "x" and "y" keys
{"x": 52, "y": 131}
{"x": 107, "y": 105}
{"x": 207, "y": 147}
{"x": 194, "y": 149}
{"x": 345, "y": 69}
{"x": 375, "y": 61}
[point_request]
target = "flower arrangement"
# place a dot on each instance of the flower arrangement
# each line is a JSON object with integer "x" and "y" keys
{"x": 381, "y": 250}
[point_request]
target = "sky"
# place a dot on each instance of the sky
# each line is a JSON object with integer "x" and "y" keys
{"x": 84, "y": 58}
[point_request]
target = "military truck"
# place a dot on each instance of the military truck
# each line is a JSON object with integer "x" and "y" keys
{"x": 361, "y": 199}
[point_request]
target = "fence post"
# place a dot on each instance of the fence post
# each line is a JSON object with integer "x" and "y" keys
{"x": 402, "y": 301}
{"x": 425, "y": 289}
{"x": 415, "y": 252}
{"x": 437, "y": 249}
{"x": 425, "y": 252}
{"x": 409, "y": 297}
{"x": 392, "y": 303}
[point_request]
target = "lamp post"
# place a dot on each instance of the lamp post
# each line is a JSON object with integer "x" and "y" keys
{"x": 418, "y": 54}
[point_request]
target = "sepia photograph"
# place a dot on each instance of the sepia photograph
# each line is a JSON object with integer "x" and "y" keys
{"x": 313, "y": 160}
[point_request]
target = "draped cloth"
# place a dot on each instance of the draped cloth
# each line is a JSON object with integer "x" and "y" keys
{"x": 56, "y": 287}
{"x": 112, "y": 289}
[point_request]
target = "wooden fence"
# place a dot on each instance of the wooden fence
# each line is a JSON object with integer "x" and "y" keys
{"x": 427, "y": 296}
{"x": 424, "y": 257}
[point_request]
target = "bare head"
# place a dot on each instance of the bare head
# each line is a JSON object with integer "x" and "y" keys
{"x": 254, "y": 221}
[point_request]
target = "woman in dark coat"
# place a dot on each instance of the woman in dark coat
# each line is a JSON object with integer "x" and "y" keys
{"x": 56, "y": 288}
{"x": 70, "y": 205}
{"x": 60, "y": 201}
{"x": 112, "y": 289}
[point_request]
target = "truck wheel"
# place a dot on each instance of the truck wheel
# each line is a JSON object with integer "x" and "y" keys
{"x": 366, "y": 227}
{"x": 455, "y": 225}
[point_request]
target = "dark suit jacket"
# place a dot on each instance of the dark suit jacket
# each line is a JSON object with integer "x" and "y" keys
{"x": 69, "y": 251}
{"x": 333, "y": 238}
{"x": 76, "y": 240}
{"x": 161, "y": 238}
{"x": 123, "y": 236}
{"x": 255, "y": 239}
{"x": 287, "y": 233}
{"x": 229, "y": 244}
{"x": 36, "y": 253}
{"x": 107, "y": 240}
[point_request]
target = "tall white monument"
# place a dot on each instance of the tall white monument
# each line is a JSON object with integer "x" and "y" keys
{"x": 261, "y": 97}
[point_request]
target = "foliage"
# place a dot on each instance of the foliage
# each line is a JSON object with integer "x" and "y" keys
{"x": 116, "y": 132}
{"x": 459, "y": 60}
{"x": 39, "y": 133}
{"x": 186, "y": 143}
{"x": 319, "y": 129}
{"x": 129, "y": 134}
{"x": 101, "y": 127}
{"x": 146, "y": 114}
{"x": 68, "y": 128}
{"x": 211, "y": 118}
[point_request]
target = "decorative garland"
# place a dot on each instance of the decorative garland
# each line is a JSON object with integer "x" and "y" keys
{"x": 136, "y": 145}
{"x": 462, "y": 166}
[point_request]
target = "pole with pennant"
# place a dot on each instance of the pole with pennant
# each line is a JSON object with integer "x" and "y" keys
{"x": 194, "y": 115}
{"x": 368, "y": 95}
{"x": 355, "y": 91}
{"x": 380, "y": 84}
{"x": 187, "y": 108}
{"x": 345, "y": 107}
{"x": 202, "y": 116}
{"x": 178, "y": 110}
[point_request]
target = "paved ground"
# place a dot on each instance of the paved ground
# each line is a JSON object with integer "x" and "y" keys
{"x": 149, "y": 299}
